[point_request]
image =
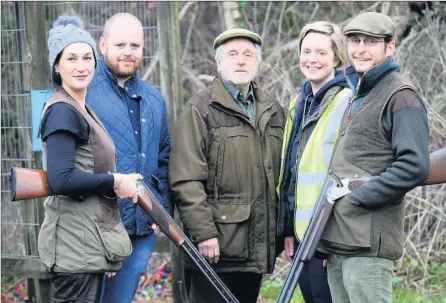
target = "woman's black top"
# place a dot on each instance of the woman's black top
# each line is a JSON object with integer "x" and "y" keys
{"x": 62, "y": 128}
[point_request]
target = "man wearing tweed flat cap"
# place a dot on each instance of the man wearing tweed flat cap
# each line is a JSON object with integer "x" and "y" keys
{"x": 237, "y": 33}
{"x": 224, "y": 169}
{"x": 384, "y": 136}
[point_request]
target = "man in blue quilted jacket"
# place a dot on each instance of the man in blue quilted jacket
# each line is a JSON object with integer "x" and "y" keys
{"x": 134, "y": 113}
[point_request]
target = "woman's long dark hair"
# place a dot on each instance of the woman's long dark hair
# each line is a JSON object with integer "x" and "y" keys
{"x": 57, "y": 79}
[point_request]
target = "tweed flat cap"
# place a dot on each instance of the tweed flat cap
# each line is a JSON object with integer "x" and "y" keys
{"x": 371, "y": 24}
{"x": 237, "y": 33}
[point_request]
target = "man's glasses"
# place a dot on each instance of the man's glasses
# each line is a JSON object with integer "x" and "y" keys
{"x": 367, "y": 41}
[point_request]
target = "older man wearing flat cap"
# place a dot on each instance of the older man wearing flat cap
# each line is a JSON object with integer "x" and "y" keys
{"x": 384, "y": 135}
{"x": 224, "y": 168}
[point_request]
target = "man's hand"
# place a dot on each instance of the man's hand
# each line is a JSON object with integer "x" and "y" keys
{"x": 209, "y": 249}
{"x": 156, "y": 229}
{"x": 289, "y": 248}
{"x": 110, "y": 274}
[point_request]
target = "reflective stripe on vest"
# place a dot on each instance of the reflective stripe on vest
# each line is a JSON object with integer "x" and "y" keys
{"x": 286, "y": 141}
{"x": 313, "y": 164}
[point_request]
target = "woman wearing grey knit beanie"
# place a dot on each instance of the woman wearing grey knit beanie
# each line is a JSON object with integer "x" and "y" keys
{"x": 82, "y": 236}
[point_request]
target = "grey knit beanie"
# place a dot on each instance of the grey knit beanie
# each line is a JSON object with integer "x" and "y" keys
{"x": 67, "y": 30}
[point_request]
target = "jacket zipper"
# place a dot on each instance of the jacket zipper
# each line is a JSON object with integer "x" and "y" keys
{"x": 240, "y": 115}
{"x": 266, "y": 204}
{"x": 347, "y": 115}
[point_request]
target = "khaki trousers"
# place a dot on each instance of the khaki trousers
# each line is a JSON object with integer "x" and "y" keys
{"x": 360, "y": 279}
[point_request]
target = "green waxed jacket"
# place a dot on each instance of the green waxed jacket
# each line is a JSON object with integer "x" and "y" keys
{"x": 223, "y": 173}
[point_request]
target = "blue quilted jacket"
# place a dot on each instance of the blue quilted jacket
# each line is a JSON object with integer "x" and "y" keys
{"x": 106, "y": 98}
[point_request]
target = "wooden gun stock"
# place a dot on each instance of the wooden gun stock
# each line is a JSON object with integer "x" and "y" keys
{"x": 437, "y": 168}
{"x": 437, "y": 171}
{"x": 29, "y": 183}
{"x": 33, "y": 183}
{"x": 322, "y": 211}
{"x": 159, "y": 215}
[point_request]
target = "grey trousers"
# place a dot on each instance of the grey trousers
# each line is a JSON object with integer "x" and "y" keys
{"x": 360, "y": 279}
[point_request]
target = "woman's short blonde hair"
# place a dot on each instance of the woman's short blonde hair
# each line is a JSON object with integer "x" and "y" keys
{"x": 331, "y": 30}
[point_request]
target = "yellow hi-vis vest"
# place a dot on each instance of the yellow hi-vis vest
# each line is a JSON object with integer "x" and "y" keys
{"x": 314, "y": 162}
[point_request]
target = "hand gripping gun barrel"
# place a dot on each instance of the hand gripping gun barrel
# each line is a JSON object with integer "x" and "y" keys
{"x": 33, "y": 183}
{"x": 332, "y": 190}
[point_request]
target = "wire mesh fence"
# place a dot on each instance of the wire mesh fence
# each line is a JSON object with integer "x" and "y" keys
{"x": 20, "y": 221}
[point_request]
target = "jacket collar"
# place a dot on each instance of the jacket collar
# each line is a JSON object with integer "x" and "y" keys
{"x": 361, "y": 85}
{"x": 131, "y": 89}
{"x": 235, "y": 92}
{"x": 223, "y": 99}
{"x": 323, "y": 96}
{"x": 338, "y": 80}
{"x": 221, "y": 95}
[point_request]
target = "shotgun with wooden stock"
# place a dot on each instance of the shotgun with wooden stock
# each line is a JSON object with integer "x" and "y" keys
{"x": 32, "y": 183}
{"x": 322, "y": 210}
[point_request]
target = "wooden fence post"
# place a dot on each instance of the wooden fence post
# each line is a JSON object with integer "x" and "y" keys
{"x": 38, "y": 75}
{"x": 170, "y": 57}
{"x": 169, "y": 51}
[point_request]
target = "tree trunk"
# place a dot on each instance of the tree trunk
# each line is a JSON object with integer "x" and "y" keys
{"x": 38, "y": 74}
{"x": 169, "y": 51}
{"x": 231, "y": 14}
{"x": 170, "y": 57}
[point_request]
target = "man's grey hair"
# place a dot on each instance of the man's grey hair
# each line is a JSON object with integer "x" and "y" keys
{"x": 258, "y": 53}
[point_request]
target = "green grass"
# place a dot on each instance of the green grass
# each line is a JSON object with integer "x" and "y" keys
{"x": 271, "y": 288}
{"x": 404, "y": 295}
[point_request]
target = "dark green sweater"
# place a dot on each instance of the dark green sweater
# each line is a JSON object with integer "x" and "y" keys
{"x": 404, "y": 123}
{"x": 384, "y": 136}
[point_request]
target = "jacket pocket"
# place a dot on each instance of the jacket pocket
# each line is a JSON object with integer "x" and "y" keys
{"x": 234, "y": 166}
{"x": 116, "y": 241}
{"x": 232, "y": 223}
{"x": 388, "y": 223}
{"x": 349, "y": 228}
{"x": 47, "y": 241}
{"x": 212, "y": 160}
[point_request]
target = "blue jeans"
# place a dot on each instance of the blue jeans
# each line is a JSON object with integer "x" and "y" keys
{"x": 122, "y": 287}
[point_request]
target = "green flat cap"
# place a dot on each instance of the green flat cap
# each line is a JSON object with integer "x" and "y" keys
{"x": 371, "y": 24}
{"x": 237, "y": 33}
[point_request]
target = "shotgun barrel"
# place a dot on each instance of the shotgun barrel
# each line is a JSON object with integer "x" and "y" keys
{"x": 322, "y": 211}
{"x": 33, "y": 183}
{"x": 307, "y": 246}
{"x": 168, "y": 226}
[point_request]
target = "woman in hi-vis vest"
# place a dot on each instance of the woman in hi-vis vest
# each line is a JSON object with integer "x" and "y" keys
{"x": 310, "y": 134}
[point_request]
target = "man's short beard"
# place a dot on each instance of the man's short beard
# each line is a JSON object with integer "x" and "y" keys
{"x": 252, "y": 76}
{"x": 114, "y": 68}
